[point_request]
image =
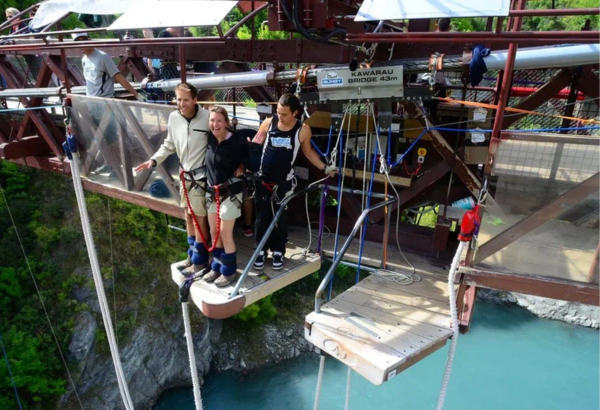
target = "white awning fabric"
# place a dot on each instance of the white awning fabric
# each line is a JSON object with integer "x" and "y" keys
{"x": 373, "y": 10}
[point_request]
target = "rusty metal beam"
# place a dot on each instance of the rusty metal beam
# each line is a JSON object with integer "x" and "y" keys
{"x": 543, "y": 94}
{"x": 593, "y": 272}
{"x": 461, "y": 170}
{"x": 548, "y": 137}
{"x": 589, "y": 84}
{"x": 428, "y": 179}
{"x": 537, "y": 219}
{"x": 150, "y": 149}
{"x": 135, "y": 198}
{"x": 543, "y": 286}
{"x": 26, "y": 147}
{"x": 466, "y": 298}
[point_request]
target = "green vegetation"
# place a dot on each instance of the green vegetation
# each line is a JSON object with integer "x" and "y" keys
{"x": 45, "y": 213}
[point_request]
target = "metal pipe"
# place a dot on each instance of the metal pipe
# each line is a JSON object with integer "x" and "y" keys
{"x": 263, "y": 241}
{"x": 482, "y": 35}
{"x": 353, "y": 265}
{"x": 357, "y": 191}
{"x": 546, "y": 57}
{"x": 215, "y": 81}
{"x": 361, "y": 219}
{"x": 75, "y": 45}
{"x": 466, "y": 40}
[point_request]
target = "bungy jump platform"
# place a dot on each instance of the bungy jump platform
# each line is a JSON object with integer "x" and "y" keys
{"x": 378, "y": 327}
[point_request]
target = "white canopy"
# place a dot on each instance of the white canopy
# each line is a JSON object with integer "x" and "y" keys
{"x": 173, "y": 13}
{"x": 140, "y": 14}
{"x": 372, "y": 10}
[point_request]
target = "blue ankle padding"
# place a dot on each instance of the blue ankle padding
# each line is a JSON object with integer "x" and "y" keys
{"x": 200, "y": 255}
{"x": 228, "y": 264}
{"x": 191, "y": 240}
{"x": 216, "y": 262}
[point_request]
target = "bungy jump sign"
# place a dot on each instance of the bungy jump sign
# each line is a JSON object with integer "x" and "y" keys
{"x": 343, "y": 84}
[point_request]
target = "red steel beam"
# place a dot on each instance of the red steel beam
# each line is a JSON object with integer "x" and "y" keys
{"x": 543, "y": 286}
{"x": 554, "y": 12}
{"x": 26, "y": 147}
{"x": 589, "y": 84}
{"x": 561, "y": 80}
{"x": 538, "y": 218}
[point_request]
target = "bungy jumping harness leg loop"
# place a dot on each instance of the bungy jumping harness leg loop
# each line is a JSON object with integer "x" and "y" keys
{"x": 468, "y": 230}
{"x": 70, "y": 147}
{"x": 195, "y": 220}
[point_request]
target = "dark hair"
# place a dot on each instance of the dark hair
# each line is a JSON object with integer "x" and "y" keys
{"x": 187, "y": 87}
{"x": 220, "y": 110}
{"x": 290, "y": 100}
{"x": 444, "y": 24}
{"x": 164, "y": 34}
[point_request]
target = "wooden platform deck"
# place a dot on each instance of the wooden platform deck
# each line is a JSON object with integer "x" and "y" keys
{"x": 215, "y": 303}
{"x": 379, "y": 328}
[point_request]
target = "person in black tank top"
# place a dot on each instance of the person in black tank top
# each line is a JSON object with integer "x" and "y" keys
{"x": 281, "y": 138}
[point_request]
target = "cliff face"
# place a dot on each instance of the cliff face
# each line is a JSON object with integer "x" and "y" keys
{"x": 154, "y": 360}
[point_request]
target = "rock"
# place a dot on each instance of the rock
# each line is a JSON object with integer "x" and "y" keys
{"x": 84, "y": 335}
{"x": 231, "y": 356}
{"x": 242, "y": 364}
{"x": 289, "y": 333}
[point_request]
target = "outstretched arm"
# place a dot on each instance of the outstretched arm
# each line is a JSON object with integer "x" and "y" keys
{"x": 311, "y": 154}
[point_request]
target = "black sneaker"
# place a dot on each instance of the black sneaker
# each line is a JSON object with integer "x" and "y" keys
{"x": 277, "y": 260}
{"x": 259, "y": 263}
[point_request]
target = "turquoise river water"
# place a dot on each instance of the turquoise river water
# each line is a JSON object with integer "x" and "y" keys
{"x": 510, "y": 359}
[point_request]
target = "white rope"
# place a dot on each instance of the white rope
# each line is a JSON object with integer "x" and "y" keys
{"x": 452, "y": 299}
{"x": 348, "y": 379}
{"x": 190, "y": 349}
{"x": 89, "y": 241}
{"x": 384, "y": 168}
{"x": 319, "y": 382}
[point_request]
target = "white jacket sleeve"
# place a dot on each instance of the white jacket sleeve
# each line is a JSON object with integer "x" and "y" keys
{"x": 167, "y": 148}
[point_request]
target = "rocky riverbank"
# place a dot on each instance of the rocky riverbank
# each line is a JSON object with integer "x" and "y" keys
{"x": 570, "y": 312}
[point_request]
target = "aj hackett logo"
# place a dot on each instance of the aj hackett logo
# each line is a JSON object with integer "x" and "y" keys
{"x": 332, "y": 79}
{"x": 371, "y": 76}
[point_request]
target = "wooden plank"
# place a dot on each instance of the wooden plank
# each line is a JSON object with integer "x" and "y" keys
{"x": 377, "y": 330}
{"x": 426, "y": 287}
{"x": 420, "y": 329}
{"x": 406, "y": 298}
{"x": 352, "y": 345}
{"x": 396, "y": 308}
{"x": 386, "y": 324}
{"x": 397, "y": 181}
{"x": 312, "y": 265}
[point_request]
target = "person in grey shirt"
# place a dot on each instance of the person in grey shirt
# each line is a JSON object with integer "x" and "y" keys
{"x": 100, "y": 71}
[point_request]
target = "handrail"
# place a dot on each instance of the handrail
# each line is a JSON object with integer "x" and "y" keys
{"x": 361, "y": 219}
{"x": 265, "y": 237}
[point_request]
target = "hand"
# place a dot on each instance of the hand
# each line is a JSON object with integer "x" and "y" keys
{"x": 332, "y": 170}
{"x": 259, "y": 138}
{"x": 144, "y": 165}
{"x": 239, "y": 171}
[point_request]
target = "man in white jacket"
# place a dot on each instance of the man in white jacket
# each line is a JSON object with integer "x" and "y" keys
{"x": 188, "y": 138}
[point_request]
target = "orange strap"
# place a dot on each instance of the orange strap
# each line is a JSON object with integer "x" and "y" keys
{"x": 495, "y": 107}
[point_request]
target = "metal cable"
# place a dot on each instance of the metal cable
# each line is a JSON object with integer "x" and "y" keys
{"x": 37, "y": 289}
